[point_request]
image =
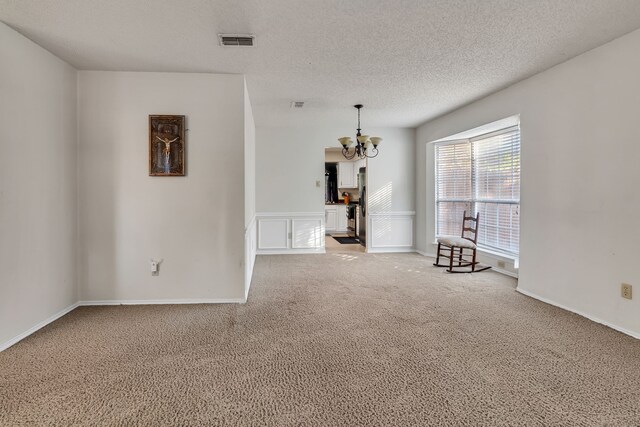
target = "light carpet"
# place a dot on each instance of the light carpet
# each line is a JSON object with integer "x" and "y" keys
{"x": 343, "y": 339}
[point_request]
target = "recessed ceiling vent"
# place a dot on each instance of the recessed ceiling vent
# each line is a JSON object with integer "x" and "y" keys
{"x": 237, "y": 40}
{"x": 297, "y": 104}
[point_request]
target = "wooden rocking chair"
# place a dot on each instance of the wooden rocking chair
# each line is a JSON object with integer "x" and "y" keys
{"x": 461, "y": 251}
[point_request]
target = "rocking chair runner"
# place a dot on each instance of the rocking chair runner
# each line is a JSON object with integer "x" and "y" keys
{"x": 453, "y": 248}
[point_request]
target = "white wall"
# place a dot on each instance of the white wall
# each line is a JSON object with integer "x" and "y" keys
{"x": 580, "y": 179}
{"x": 335, "y": 156}
{"x": 249, "y": 190}
{"x": 391, "y": 175}
{"x": 391, "y": 196}
{"x": 289, "y": 161}
{"x": 194, "y": 223}
{"x": 249, "y": 160}
{"x": 38, "y": 182}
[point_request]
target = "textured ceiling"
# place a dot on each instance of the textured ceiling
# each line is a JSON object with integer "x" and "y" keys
{"x": 406, "y": 60}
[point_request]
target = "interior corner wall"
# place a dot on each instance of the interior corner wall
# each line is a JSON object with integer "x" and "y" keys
{"x": 250, "y": 241}
{"x": 38, "y": 182}
{"x": 195, "y": 223}
{"x": 249, "y": 160}
{"x": 580, "y": 178}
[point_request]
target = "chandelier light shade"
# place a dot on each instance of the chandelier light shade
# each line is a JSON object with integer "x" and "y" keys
{"x": 363, "y": 145}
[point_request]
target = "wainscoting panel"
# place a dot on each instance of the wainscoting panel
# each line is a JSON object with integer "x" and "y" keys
{"x": 306, "y": 233}
{"x": 391, "y": 231}
{"x": 273, "y": 233}
{"x": 290, "y": 232}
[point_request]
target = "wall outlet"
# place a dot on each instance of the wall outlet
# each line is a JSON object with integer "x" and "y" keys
{"x": 625, "y": 289}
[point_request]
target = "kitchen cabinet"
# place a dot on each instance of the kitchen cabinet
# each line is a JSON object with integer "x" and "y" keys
{"x": 341, "y": 212}
{"x": 335, "y": 218}
{"x": 346, "y": 175}
{"x": 331, "y": 218}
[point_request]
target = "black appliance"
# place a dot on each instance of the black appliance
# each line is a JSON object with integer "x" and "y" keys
{"x": 351, "y": 220}
{"x": 331, "y": 183}
{"x": 362, "y": 189}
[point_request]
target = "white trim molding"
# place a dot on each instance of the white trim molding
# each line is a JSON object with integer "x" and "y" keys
{"x": 393, "y": 213}
{"x": 426, "y": 254}
{"x": 505, "y": 272}
{"x": 633, "y": 334}
{"x": 290, "y": 233}
{"x": 390, "y": 231}
{"x": 289, "y": 214}
{"x": 387, "y": 250}
{"x": 5, "y": 345}
{"x": 163, "y": 301}
{"x": 514, "y": 259}
{"x": 250, "y": 249}
{"x": 494, "y": 268}
{"x": 292, "y": 251}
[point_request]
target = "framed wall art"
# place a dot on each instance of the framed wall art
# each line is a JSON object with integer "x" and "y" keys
{"x": 166, "y": 145}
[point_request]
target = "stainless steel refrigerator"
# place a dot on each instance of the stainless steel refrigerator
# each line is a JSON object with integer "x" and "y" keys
{"x": 362, "y": 212}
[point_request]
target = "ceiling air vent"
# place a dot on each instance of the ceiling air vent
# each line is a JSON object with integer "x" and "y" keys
{"x": 297, "y": 104}
{"x": 236, "y": 40}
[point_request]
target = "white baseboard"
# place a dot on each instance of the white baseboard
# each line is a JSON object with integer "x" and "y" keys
{"x": 163, "y": 301}
{"x": 5, "y": 345}
{"x": 251, "y": 246}
{"x": 289, "y": 214}
{"x": 496, "y": 269}
{"x": 505, "y": 272}
{"x": 290, "y": 251}
{"x": 390, "y": 249}
{"x": 633, "y": 334}
{"x": 426, "y": 254}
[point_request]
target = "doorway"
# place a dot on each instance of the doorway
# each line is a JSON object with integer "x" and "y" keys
{"x": 345, "y": 184}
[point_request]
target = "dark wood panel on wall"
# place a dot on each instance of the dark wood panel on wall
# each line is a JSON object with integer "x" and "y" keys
{"x": 167, "y": 145}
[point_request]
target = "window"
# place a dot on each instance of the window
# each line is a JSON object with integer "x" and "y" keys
{"x": 481, "y": 174}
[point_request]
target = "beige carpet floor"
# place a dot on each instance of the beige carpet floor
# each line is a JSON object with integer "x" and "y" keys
{"x": 343, "y": 339}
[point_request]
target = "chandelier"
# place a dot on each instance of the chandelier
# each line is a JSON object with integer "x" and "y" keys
{"x": 363, "y": 145}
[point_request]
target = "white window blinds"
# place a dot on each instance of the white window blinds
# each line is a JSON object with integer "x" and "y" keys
{"x": 481, "y": 174}
{"x": 453, "y": 185}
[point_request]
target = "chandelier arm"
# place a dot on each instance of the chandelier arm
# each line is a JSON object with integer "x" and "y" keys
{"x": 374, "y": 150}
{"x": 346, "y": 155}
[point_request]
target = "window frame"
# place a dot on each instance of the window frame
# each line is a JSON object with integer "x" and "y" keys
{"x": 474, "y": 199}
